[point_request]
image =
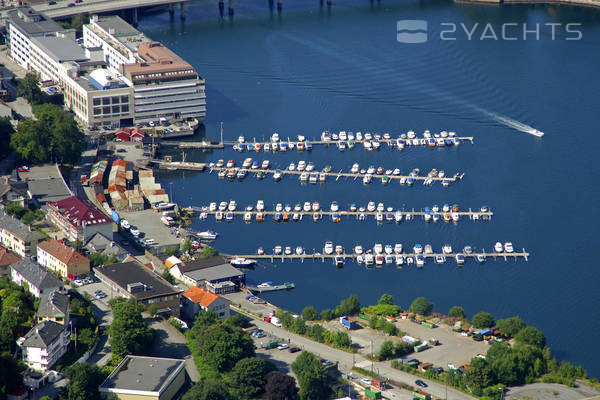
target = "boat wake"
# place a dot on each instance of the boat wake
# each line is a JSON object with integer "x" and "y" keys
{"x": 515, "y": 124}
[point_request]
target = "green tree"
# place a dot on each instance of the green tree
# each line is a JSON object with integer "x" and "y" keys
{"x": 238, "y": 320}
{"x": 67, "y": 139}
{"x": 390, "y": 329}
{"x": 310, "y": 314}
{"x": 208, "y": 252}
{"x": 208, "y": 389}
{"x": 341, "y": 340}
{"x": 84, "y": 380}
{"x": 87, "y": 337}
{"x": 152, "y": 310}
{"x": 532, "y": 336}
{"x": 249, "y": 376}
{"x": 98, "y": 259}
{"x": 349, "y": 306}
{"x": 298, "y": 326}
{"x": 10, "y": 374}
{"x": 483, "y": 320}
{"x": 128, "y": 331}
{"x": 422, "y": 306}
{"x": 187, "y": 246}
{"x": 386, "y": 351}
{"x": 479, "y": 374}
{"x": 222, "y": 346}
{"x": 32, "y": 141}
{"x": 280, "y": 386}
{"x": 317, "y": 333}
{"x": 29, "y": 87}
{"x": 171, "y": 251}
{"x": 327, "y": 315}
{"x": 168, "y": 277}
{"x": 386, "y": 299}
{"x": 402, "y": 349}
{"x": 510, "y": 326}
{"x": 457, "y": 312}
{"x": 312, "y": 377}
{"x": 15, "y": 209}
{"x": 6, "y": 130}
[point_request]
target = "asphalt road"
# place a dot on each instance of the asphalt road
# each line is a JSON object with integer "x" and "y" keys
{"x": 346, "y": 361}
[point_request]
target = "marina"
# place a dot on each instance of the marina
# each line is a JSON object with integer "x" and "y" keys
{"x": 312, "y": 211}
{"x": 307, "y": 173}
{"x": 349, "y": 140}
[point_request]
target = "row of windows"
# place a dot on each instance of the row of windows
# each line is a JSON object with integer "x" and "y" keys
{"x": 110, "y": 111}
{"x": 105, "y": 101}
{"x": 159, "y": 74}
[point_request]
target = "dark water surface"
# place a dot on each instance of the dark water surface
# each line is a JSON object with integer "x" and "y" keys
{"x": 342, "y": 69}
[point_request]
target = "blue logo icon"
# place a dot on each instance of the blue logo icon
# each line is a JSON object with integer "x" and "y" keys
{"x": 411, "y": 31}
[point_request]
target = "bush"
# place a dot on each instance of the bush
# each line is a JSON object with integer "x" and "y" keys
{"x": 483, "y": 320}
{"x": 457, "y": 312}
{"x": 327, "y": 315}
{"x": 422, "y": 306}
{"x": 310, "y": 314}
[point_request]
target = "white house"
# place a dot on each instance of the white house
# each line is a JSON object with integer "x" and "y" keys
{"x": 196, "y": 299}
{"x": 36, "y": 279}
{"x": 44, "y": 345}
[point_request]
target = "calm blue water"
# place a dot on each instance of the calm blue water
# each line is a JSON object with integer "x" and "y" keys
{"x": 313, "y": 69}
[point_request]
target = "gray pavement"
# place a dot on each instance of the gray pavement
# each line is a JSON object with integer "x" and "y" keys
{"x": 544, "y": 391}
{"x": 347, "y": 360}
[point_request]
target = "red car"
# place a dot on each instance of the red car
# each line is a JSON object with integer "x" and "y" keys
{"x": 24, "y": 168}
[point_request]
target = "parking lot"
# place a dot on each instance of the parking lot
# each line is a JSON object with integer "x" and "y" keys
{"x": 149, "y": 223}
{"x": 128, "y": 151}
{"x": 452, "y": 349}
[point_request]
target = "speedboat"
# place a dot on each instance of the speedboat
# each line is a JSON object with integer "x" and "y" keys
{"x": 360, "y": 259}
{"x": 325, "y": 136}
{"x": 460, "y": 259}
{"x": 248, "y": 217}
{"x": 379, "y": 217}
{"x": 260, "y": 251}
{"x": 296, "y": 217}
{"x": 435, "y": 217}
{"x": 398, "y": 216}
{"x": 498, "y": 247}
{"x": 287, "y": 251}
{"x": 278, "y": 207}
{"x": 304, "y": 177}
{"x": 240, "y": 262}
{"x": 265, "y": 164}
{"x": 341, "y": 145}
{"x": 207, "y": 235}
{"x": 313, "y": 178}
{"x": 232, "y": 205}
{"x": 418, "y": 249}
{"x": 378, "y": 248}
{"x": 335, "y": 217}
{"x": 334, "y": 206}
{"x": 260, "y": 205}
{"x": 420, "y": 260}
{"x": 389, "y": 259}
{"x": 277, "y": 250}
{"x": 277, "y": 175}
{"x": 358, "y": 249}
{"x": 306, "y": 207}
{"x": 439, "y": 259}
{"x": 367, "y": 179}
{"x": 409, "y": 260}
{"x": 447, "y": 249}
{"x": 399, "y": 260}
{"x": 388, "y": 249}
{"x": 220, "y": 163}
{"x": 508, "y": 247}
{"x": 371, "y": 206}
{"x": 369, "y": 259}
{"x": 292, "y": 167}
{"x": 316, "y": 206}
{"x": 230, "y": 164}
{"x": 212, "y": 207}
{"x": 322, "y": 177}
{"x": 428, "y": 249}
{"x": 218, "y": 216}
{"x": 328, "y": 249}
{"x": 468, "y": 250}
{"x": 316, "y": 217}
{"x": 339, "y": 261}
{"x": 355, "y": 168}
{"x": 310, "y": 166}
{"x": 352, "y": 207}
{"x": 398, "y": 248}
{"x": 299, "y": 250}
{"x": 371, "y": 170}
{"x": 380, "y": 207}
{"x": 275, "y": 137}
{"x": 339, "y": 249}
{"x": 229, "y": 216}
{"x": 265, "y": 285}
{"x": 259, "y": 217}
{"x": 481, "y": 258}
{"x": 247, "y": 163}
{"x": 288, "y": 207}
{"x": 301, "y": 165}
{"x": 343, "y": 135}
{"x": 223, "y": 206}
{"x": 378, "y": 259}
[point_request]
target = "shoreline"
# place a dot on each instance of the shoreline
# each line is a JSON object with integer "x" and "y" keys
{"x": 576, "y": 3}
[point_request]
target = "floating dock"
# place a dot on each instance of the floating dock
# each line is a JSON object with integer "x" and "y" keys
{"x": 352, "y": 256}
{"x": 192, "y": 145}
{"x": 180, "y": 165}
{"x": 271, "y": 288}
{"x": 406, "y": 215}
{"x": 408, "y": 179}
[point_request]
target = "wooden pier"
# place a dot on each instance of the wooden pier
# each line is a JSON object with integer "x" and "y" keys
{"x": 341, "y": 174}
{"x": 357, "y": 142}
{"x": 180, "y": 165}
{"x": 272, "y": 288}
{"x": 193, "y": 145}
{"x": 352, "y": 256}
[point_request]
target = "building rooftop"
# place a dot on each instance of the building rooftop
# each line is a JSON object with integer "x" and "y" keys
{"x": 7, "y": 258}
{"x": 202, "y": 263}
{"x": 119, "y": 29}
{"x": 6, "y": 185}
{"x": 60, "y": 49}
{"x": 53, "y": 303}
{"x": 45, "y": 183}
{"x": 80, "y": 212}
{"x": 142, "y": 374}
{"x": 18, "y": 228}
{"x": 137, "y": 280}
{"x": 32, "y": 22}
{"x": 40, "y": 277}
{"x": 216, "y": 273}
{"x": 101, "y": 244}
{"x": 200, "y": 296}
{"x": 42, "y": 334}
{"x": 62, "y": 252}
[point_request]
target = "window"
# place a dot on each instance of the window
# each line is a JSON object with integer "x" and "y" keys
{"x": 106, "y": 110}
{"x": 124, "y": 99}
{"x": 115, "y": 109}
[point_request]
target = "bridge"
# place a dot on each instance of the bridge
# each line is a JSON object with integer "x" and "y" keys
{"x": 68, "y": 8}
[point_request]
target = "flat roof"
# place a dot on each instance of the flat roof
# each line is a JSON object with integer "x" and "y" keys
{"x": 60, "y": 49}
{"x": 123, "y": 274}
{"x": 218, "y": 272}
{"x": 142, "y": 374}
{"x": 32, "y": 22}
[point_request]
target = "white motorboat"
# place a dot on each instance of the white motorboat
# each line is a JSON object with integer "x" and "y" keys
{"x": 508, "y": 247}
{"x": 241, "y": 262}
{"x": 380, "y": 207}
{"x": 398, "y": 248}
{"x": 287, "y": 251}
{"x": 247, "y": 163}
{"x": 360, "y": 259}
{"x": 328, "y": 249}
{"x": 447, "y": 249}
{"x": 343, "y": 135}
{"x": 460, "y": 259}
{"x": 212, "y": 207}
{"x": 398, "y": 216}
{"x": 316, "y": 206}
{"x": 369, "y": 259}
{"x": 420, "y": 260}
{"x": 265, "y": 164}
{"x": 481, "y": 258}
{"x": 260, "y": 251}
{"x": 399, "y": 260}
{"x": 277, "y": 250}
{"x": 275, "y": 137}
{"x": 260, "y": 205}
{"x": 265, "y": 285}
{"x": 355, "y": 168}
{"x": 378, "y": 248}
{"x": 418, "y": 249}
{"x": 439, "y": 259}
{"x": 299, "y": 250}
{"x": 371, "y": 206}
{"x": 367, "y": 179}
{"x": 306, "y": 206}
{"x": 292, "y": 167}
{"x": 301, "y": 165}
{"x": 388, "y": 249}
{"x": 207, "y": 235}
{"x": 232, "y": 205}
{"x": 248, "y": 216}
{"x": 358, "y": 249}
{"x": 498, "y": 247}
{"x": 334, "y": 206}
{"x": 279, "y": 207}
{"x": 219, "y": 216}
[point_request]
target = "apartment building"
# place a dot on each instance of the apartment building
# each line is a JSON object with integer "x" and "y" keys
{"x": 17, "y": 236}
{"x": 44, "y": 345}
{"x": 79, "y": 219}
{"x": 62, "y": 259}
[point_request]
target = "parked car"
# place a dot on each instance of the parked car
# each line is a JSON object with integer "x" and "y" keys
{"x": 78, "y": 282}
{"x": 420, "y": 383}
{"x": 121, "y": 150}
{"x": 24, "y": 168}
{"x": 51, "y": 3}
{"x": 366, "y": 381}
{"x": 293, "y": 350}
{"x": 282, "y": 346}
